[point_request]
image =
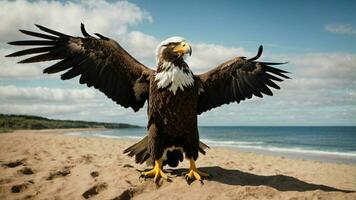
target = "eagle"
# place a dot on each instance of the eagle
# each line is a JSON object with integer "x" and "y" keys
{"x": 175, "y": 95}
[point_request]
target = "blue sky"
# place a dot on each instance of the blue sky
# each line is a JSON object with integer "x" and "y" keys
{"x": 292, "y": 26}
{"x": 318, "y": 38}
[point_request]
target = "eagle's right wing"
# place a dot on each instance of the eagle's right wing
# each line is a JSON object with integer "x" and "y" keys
{"x": 101, "y": 63}
{"x": 236, "y": 80}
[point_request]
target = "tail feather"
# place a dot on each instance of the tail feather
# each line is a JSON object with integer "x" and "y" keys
{"x": 141, "y": 153}
{"x": 202, "y": 147}
{"x": 139, "y": 150}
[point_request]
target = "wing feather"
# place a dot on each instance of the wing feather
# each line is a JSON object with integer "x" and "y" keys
{"x": 43, "y": 57}
{"x": 33, "y": 42}
{"x": 31, "y": 51}
{"x": 62, "y": 35}
{"x": 101, "y": 63}
{"x": 40, "y": 35}
{"x": 238, "y": 79}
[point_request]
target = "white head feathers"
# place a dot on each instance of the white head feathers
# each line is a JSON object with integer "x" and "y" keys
{"x": 160, "y": 47}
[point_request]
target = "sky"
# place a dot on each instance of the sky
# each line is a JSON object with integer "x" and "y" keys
{"x": 317, "y": 38}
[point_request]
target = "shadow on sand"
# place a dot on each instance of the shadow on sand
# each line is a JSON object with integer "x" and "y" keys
{"x": 279, "y": 182}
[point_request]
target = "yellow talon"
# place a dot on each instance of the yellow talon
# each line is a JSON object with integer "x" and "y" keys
{"x": 156, "y": 172}
{"x": 194, "y": 172}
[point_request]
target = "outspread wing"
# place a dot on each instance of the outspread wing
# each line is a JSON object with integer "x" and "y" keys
{"x": 100, "y": 62}
{"x": 236, "y": 80}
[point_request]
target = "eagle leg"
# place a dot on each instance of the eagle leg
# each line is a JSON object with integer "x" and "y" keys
{"x": 194, "y": 172}
{"x": 156, "y": 172}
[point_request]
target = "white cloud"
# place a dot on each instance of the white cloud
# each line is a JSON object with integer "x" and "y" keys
{"x": 13, "y": 94}
{"x": 10, "y": 70}
{"x": 39, "y": 109}
{"x": 326, "y": 65}
{"x": 101, "y": 16}
{"x": 77, "y": 104}
{"x": 320, "y": 80}
{"x": 142, "y": 45}
{"x": 207, "y": 56}
{"x": 345, "y": 29}
{"x": 19, "y": 72}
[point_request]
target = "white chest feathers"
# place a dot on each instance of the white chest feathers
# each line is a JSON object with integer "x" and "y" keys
{"x": 174, "y": 77}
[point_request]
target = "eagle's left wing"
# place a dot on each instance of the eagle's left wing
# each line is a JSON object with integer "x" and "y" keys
{"x": 236, "y": 80}
{"x": 100, "y": 62}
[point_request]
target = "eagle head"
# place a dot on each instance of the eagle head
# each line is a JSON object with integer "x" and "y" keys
{"x": 173, "y": 72}
{"x": 173, "y": 49}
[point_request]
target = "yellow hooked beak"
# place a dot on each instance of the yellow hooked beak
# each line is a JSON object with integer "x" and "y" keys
{"x": 183, "y": 48}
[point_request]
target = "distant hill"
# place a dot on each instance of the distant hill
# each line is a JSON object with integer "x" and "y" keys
{"x": 10, "y": 122}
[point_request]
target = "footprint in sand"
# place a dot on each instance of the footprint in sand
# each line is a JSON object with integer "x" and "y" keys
{"x": 94, "y": 174}
{"x": 18, "y": 188}
{"x": 26, "y": 171}
{"x": 126, "y": 195}
{"x": 13, "y": 164}
{"x": 59, "y": 173}
{"x": 21, "y": 187}
{"x": 95, "y": 190}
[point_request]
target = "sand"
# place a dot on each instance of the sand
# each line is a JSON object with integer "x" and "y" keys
{"x": 49, "y": 165}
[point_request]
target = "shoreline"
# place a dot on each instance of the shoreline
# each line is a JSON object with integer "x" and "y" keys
{"x": 320, "y": 157}
{"x": 337, "y": 159}
{"x": 50, "y": 164}
{"x": 54, "y": 130}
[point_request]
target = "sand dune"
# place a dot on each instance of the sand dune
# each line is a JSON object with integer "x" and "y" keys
{"x": 49, "y": 165}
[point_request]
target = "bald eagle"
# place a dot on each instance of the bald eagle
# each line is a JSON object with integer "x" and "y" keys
{"x": 175, "y": 95}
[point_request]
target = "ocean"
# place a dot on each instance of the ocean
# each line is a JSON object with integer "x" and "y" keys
{"x": 330, "y": 144}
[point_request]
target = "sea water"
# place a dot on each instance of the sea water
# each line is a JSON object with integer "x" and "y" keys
{"x": 331, "y": 144}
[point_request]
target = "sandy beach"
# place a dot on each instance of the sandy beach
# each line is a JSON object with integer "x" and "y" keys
{"x": 47, "y": 164}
